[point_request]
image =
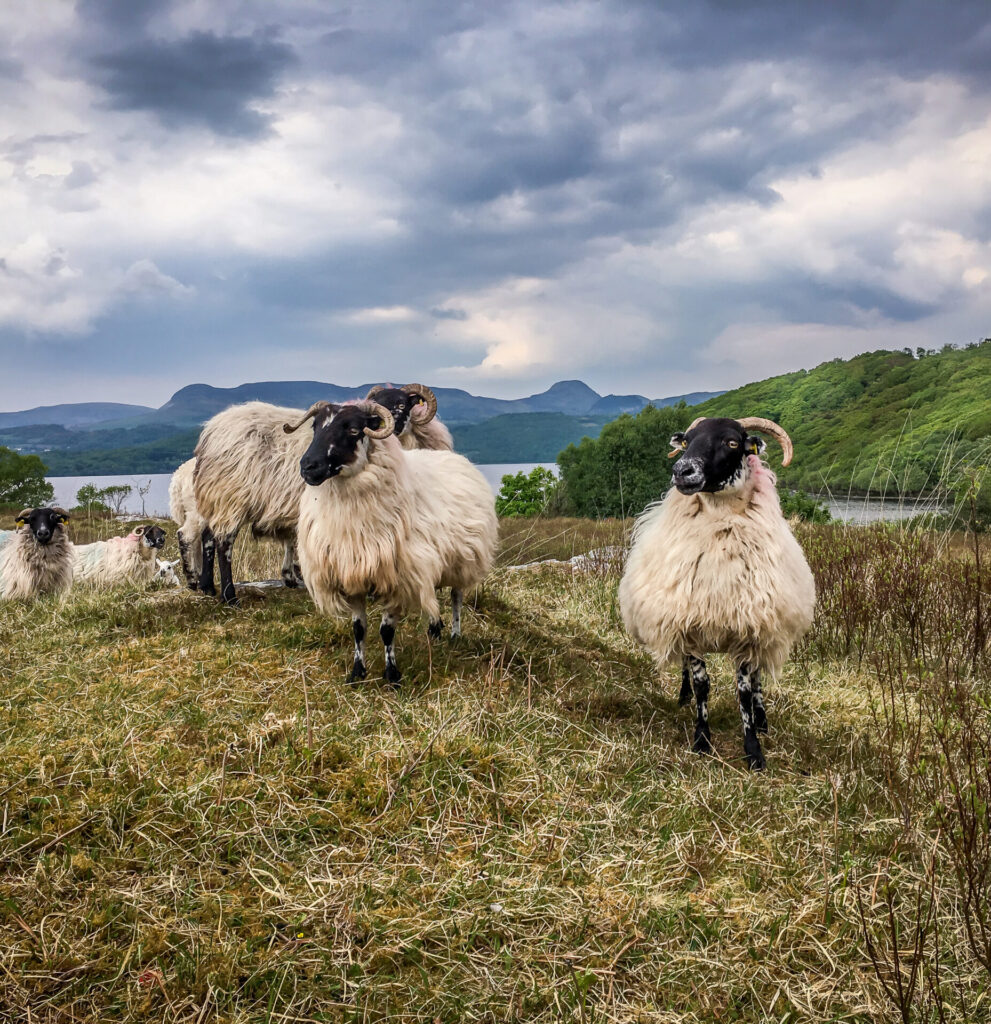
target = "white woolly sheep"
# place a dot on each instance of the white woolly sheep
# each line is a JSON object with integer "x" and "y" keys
{"x": 129, "y": 559}
{"x": 247, "y": 472}
{"x": 186, "y": 516}
{"x": 36, "y": 558}
{"x": 375, "y": 519}
{"x": 414, "y": 410}
{"x": 715, "y": 568}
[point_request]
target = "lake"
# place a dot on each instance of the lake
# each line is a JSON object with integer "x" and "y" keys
{"x": 156, "y": 501}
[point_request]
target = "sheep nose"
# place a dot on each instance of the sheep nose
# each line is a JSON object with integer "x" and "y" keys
{"x": 42, "y": 534}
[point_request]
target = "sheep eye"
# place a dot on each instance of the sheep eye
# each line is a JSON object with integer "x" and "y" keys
{"x": 354, "y": 431}
{"x": 733, "y": 444}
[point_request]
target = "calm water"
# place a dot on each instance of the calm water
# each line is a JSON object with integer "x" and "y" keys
{"x": 156, "y": 501}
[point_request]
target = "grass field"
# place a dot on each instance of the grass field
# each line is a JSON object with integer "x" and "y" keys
{"x": 200, "y": 822}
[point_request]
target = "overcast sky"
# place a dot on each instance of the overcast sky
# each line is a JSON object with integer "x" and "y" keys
{"x": 653, "y": 197}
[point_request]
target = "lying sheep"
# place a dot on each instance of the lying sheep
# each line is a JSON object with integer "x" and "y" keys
{"x": 714, "y": 567}
{"x": 190, "y": 524}
{"x": 414, "y": 410}
{"x": 130, "y": 559}
{"x": 247, "y": 473}
{"x": 36, "y": 558}
{"x": 375, "y": 519}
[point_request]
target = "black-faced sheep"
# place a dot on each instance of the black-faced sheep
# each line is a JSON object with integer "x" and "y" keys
{"x": 129, "y": 559}
{"x": 414, "y": 410}
{"x": 247, "y": 473}
{"x": 715, "y": 568}
{"x": 375, "y": 519}
{"x": 36, "y": 558}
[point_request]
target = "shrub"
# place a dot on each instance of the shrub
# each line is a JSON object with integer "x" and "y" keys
{"x": 526, "y": 494}
{"x": 22, "y": 480}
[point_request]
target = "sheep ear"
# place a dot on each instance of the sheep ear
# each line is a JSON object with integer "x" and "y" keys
{"x": 755, "y": 445}
{"x": 678, "y": 444}
{"x": 140, "y": 531}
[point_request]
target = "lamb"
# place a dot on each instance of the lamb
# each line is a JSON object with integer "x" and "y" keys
{"x": 129, "y": 559}
{"x": 375, "y": 518}
{"x": 414, "y": 410}
{"x": 36, "y": 558}
{"x": 186, "y": 516}
{"x": 247, "y": 472}
{"x": 714, "y": 567}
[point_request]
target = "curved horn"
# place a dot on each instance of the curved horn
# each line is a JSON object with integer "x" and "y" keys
{"x": 23, "y": 514}
{"x": 772, "y": 429}
{"x": 427, "y": 395}
{"x": 388, "y": 423}
{"x": 60, "y": 511}
{"x": 377, "y": 390}
{"x": 310, "y": 413}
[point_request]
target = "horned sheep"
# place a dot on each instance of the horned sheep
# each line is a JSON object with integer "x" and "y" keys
{"x": 247, "y": 472}
{"x": 129, "y": 559}
{"x": 414, "y": 410}
{"x": 376, "y": 519}
{"x": 36, "y": 558}
{"x": 715, "y": 568}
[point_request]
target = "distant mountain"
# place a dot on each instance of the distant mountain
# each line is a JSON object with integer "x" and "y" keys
{"x": 105, "y": 437}
{"x": 76, "y": 414}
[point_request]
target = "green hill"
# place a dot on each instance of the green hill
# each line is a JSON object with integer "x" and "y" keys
{"x": 882, "y": 422}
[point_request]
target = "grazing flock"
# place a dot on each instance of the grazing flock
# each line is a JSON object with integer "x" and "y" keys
{"x": 372, "y": 502}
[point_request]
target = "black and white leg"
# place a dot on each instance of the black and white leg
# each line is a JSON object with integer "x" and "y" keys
{"x": 209, "y": 552}
{"x": 700, "y": 687}
{"x": 387, "y": 631}
{"x": 457, "y": 600}
{"x": 359, "y": 624}
{"x": 685, "y": 697}
{"x": 745, "y": 692}
{"x": 225, "y": 553}
{"x": 760, "y": 715}
{"x": 288, "y": 566}
{"x": 185, "y": 559}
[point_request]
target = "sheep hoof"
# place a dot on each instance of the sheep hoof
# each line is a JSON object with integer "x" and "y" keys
{"x": 435, "y": 628}
{"x": 702, "y": 744}
{"x": 685, "y": 697}
{"x": 755, "y": 756}
{"x": 289, "y": 581}
{"x": 357, "y": 673}
{"x": 393, "y": 676}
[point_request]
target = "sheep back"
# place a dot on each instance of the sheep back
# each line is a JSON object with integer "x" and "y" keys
{"x": 247, "y": 470}
{"x": 718, "y": 573}
{"x": 116, "y": 560}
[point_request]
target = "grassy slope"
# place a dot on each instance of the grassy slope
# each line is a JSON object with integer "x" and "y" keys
{"x": 882, "y": 421}
{"x": 199, "y": 819}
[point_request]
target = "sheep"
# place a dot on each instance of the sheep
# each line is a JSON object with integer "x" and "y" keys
{"x": 714, "y": 567}
{"x": 129, "y": 559}
{"x": 375, "y": 518}
{"x": 186, "y": 516}
{"x": 414, "y": 410}
{"x": 36, "y": 558}
{"x": 247, "y": 472}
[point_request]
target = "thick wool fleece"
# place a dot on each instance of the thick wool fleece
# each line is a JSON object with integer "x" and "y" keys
{"x": 186, "y": 516}
{"x": 429, "y": 436}
{"x": 106, "y": 563}
{"x": 29, "y": 569}
{"x": 402, "y": 525}
{"x": 718, "y": 573}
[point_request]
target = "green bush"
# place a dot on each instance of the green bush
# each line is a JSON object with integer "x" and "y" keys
{"x": 526, "y": 494}
{"x": 803, "y": 506}
{"x": 22, "y": 480}
{"x": 625, "y": 468}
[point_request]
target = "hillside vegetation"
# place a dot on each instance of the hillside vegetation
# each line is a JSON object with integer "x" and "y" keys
{"x": 883, "y": 422}
{"x": 200, "y": 822}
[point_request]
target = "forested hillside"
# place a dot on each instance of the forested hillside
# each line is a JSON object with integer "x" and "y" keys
{"x": 885, "y": 422}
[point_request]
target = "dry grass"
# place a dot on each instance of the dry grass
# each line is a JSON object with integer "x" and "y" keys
{"x": 200, "y": 822}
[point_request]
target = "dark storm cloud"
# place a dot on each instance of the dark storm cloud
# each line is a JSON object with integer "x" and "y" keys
{"x": 202, "y": 78}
